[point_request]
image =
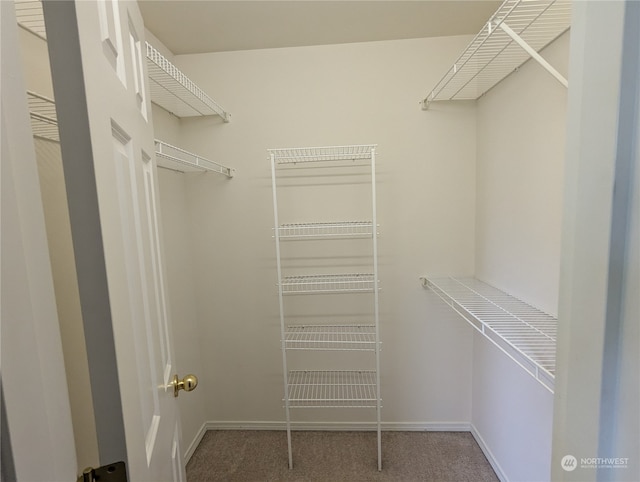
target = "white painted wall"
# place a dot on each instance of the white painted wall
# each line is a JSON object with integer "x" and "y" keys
{"x": 520, "y": 166}
{"x": 332, "y": 95}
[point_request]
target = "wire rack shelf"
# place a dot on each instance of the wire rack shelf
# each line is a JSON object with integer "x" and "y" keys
{"x": 332, "y": 389}
{"x": 319, "y": 154}
{"x": 44, "y": 121}
{"x": 517, "y": 31}
{"x": 524, "y": 333}
{"x": 347, "y": 229}
{"x": 30, "y": 16}
{"x": 330, "y": 337}
{"x": 175, "y": 92}
{"x": 174, "y": 158}
{"x": 328, "y": 283}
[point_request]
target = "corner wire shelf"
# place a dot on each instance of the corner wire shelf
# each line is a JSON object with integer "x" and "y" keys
{"x": 44, "y": 121}
{"x": 30, "y": 17}
{"x": 175, "y": 92}
{"x": 298, "y": 155}
{"x": 517, "y": 31}
{"x": 332, "y": 389}
{"x": 330, "y": 337}
{"x": 347, "y": 229}
{"x": 176, "y": 159}
{"x": 524, "y": 333}
{"x": 328, "y": 283}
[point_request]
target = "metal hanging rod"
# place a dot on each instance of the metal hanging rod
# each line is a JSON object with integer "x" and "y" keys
{"x": 516, "y": 32}
{"x": 175, "y": 92}
{"x": 524, "y": 333}
{"x": 174, "y": 158}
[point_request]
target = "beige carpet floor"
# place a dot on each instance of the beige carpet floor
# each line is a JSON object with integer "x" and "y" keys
{"x": 257, "y": 456}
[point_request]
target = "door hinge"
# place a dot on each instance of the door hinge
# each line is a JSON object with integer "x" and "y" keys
{"x": 116, "y": 472}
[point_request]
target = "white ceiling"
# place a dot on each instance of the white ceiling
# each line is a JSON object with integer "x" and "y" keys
{"x": 187, "y": 26}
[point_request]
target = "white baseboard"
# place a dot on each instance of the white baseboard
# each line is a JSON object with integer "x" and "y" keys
{"x": 339, "y": 426}
{"x": 195, "y": 442}
{"x": 488, "y": 454}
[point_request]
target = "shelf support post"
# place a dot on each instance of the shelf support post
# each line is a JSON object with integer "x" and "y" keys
{"x": 535, "y": 55}
{"x": 281, "y": 303}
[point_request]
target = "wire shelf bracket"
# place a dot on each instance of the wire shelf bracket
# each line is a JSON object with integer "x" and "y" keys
{"x": 522, "y": 332}
{"x": 516, "y": 32}
{"x": 175, "y": 92}
{"x": 176, "y": 159}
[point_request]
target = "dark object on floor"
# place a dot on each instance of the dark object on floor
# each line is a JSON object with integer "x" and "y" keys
{"x": 260, "y": 456}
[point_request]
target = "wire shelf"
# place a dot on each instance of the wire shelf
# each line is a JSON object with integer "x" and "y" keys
{"x": 348, "y": 229}
{"x": 319, "y": 154}
{"x": 44, "y": 121}
{"x": 175, "y": 92}
{"x": 526, "y": 334}
{"x": 30, "y": 16}
{"x": 332, "y": 389}
{"x": 330, "y": 337}
{"x": 174, "y": 158}
{"x": 328, "y": 283}
{"x": 493, "y": 54}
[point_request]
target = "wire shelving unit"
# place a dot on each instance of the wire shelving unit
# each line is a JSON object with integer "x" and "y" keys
{"x": 328, "y": 283}
{"x": 44, "y": 121}
{"x": 30, "y": 17}
{"x": 344, "y": 229}
{"x": 516, "y": 32}
{"x": 176, "y": 159}
{"x": 299, "y": 155}
{"x": 524, "y": 333}
{"x": 175, "y": 92}
{"x": 330, "y": 337}
{"x": 329, "y": 388}
{"x": 332, "y": 389}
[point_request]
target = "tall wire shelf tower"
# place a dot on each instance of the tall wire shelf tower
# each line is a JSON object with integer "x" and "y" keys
{"x": 344, "y": 388}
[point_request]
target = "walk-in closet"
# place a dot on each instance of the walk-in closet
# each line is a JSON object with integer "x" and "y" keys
{"x": 349, "y": 235}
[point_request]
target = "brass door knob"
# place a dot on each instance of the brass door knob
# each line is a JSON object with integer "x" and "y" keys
{"x": 188, "y": 383}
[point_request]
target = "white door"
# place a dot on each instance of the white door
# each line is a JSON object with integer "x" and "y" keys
{"x": 116, "y": 119}
{"x": 37, "y": 436}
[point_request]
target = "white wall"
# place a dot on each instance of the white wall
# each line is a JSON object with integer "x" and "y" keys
{"x": 333, "y": 95}
{"x": 520, "y": 165}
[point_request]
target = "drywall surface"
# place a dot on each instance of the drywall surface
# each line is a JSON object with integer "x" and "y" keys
{"x": 512, "y": 414}
{"x": 521, "y": 134}
{"x": 521, "y": 137}
{"x": 317, "y": 96}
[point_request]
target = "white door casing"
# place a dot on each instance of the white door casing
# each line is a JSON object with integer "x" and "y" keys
{"x": 119, "y": 213}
